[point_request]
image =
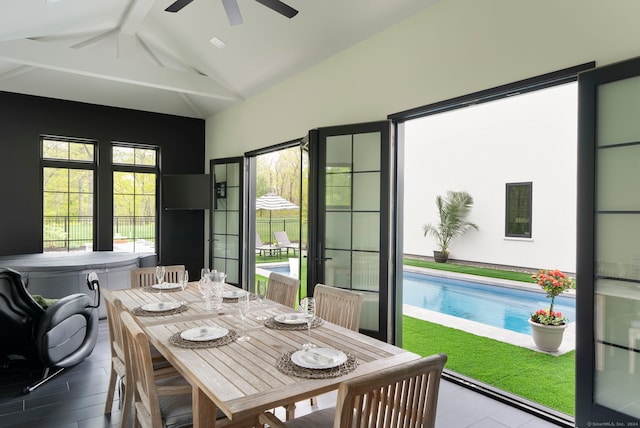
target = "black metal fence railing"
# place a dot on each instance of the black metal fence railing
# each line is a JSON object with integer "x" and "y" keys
{"x": 134, "y": 227}
{"x": 67, "y": 233}
{"x": 290, "y": 225}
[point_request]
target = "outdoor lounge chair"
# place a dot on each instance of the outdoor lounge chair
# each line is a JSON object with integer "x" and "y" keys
{"x": 262, "y": 249}
{"x": 283, "y": 241}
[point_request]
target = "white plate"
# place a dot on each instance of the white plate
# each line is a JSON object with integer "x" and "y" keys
{"x": 201, "y": 334}
{"x": 233, "y": 294}
{"x": 318, "y": 358}
{"x": 292, "y": 318}
{"x": 161, "y": 306}
{"x": 166, "y": 286}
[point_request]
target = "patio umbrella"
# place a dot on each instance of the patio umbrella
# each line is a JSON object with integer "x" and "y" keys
{"x": 273, "y": 202}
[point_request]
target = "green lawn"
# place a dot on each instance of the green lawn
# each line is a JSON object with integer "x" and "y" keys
{"x": 471, "y": 270}
{"x": 539, "y": 377}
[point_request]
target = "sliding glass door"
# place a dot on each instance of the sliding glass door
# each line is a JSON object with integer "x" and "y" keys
{"x": 608, "y": 281}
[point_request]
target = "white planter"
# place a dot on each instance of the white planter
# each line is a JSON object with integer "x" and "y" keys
{"x": 547, "y": 337}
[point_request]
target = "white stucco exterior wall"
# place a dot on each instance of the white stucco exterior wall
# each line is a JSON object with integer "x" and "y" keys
{"x": 478, "y": 149}
{"x": 452, "y": 48}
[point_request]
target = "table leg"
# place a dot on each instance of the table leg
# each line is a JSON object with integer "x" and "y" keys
{"x": 204, "y": 410}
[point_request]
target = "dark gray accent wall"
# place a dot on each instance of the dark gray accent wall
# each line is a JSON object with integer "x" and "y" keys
{"x": 24, "y": 119}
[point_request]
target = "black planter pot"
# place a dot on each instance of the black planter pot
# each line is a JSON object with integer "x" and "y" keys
{"x": 440, "y": 257}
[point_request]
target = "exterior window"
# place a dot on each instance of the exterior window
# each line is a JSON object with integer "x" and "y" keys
{"x": 68, "y": 169}
{"x": 135, "y": 177}
{"x": 518, "y": 216}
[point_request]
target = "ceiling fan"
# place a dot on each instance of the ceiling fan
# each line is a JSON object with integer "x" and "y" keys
{"x": 233, "y": 11}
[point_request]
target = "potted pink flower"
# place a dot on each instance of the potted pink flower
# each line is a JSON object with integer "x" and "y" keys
{"x": 548, "y": 326}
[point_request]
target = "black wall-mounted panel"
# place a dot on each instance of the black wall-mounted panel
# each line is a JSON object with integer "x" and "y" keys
{"x": 186, "y": 191}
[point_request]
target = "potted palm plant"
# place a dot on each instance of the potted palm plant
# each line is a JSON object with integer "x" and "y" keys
{"x": 453, "y": 212}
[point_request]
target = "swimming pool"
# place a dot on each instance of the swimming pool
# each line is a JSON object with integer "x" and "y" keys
{"x": 502, "y": 307}
{"x": 494, "y": 305}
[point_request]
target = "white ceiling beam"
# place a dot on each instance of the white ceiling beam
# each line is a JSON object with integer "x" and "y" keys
{"x": 16, "y": 71}
{"x": 135, "y": 15}
{"x": 184, "y": 97}
{"x": 48, "y": 56}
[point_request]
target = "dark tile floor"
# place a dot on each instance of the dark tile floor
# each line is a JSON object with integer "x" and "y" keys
{"x": 75, "y": 399}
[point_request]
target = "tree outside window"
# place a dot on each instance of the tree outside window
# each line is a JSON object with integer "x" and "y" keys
{"x": 68, "y": 169}
{"x": 134, "y": 199}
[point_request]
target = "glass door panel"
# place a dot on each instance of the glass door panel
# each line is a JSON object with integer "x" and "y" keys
{"x": 617, "y": 289}
{"x": 226, "y": 218}
{"x": 610, "y": 155}
{"x": 351, "y": 217}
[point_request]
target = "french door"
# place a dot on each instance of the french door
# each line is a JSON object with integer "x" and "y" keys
{"x": 350, "y": 218}
{"x": 227, "y": 217}
{"x": 608, "y": 262}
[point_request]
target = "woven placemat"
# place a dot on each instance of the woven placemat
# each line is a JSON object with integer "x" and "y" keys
{"x": 272, "y": 323}
{"x": 150, "y": 289}
{"x": 235, "y": 299}
{"x": 176, "y": 340}
{"x": 142, "y": 313}
{"x": 286, "y": 366}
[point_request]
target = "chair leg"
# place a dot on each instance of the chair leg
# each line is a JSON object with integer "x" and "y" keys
{"x": 113, "y": 384}
{"x": 121, "y": 391}
{"x": 127, "y": 403}
{"x": 45, "y": 378}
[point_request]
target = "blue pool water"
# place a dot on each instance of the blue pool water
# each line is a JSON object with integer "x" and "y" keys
{"x": 502, "y": 307}
{"x": 497, "y": 306}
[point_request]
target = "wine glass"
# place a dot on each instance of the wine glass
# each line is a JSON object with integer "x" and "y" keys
{"x": 243, "y": 309}
{"x": 309, "y": 308}
{"x": 202, "y": 284}
{"x": 160, "y": 274}
{"x": 261, "y": 292}
{"x": 185, "y": 280}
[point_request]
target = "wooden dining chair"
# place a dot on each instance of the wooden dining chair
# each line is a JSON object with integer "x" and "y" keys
{"x": 283, "y": 289}
{"x": 338, "y": 306}
{"x": 165, "y": 400}
{"x": 145, "y": 277}
{"x": 120, "y": 373}
{"x": 156, "y": 403}
{"x": 402, "y": 396}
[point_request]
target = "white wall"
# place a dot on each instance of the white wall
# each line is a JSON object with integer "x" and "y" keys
{"x": 452, "y": 48}
{"x": 478, "y": 149}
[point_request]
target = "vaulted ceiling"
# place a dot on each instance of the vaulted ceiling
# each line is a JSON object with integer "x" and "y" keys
{"x": 134, "y": 54}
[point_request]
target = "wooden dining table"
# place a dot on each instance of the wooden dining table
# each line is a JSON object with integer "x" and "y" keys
{"x": 243, "y": 379}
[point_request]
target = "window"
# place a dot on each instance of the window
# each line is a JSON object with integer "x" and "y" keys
{"x": 518, "y": 221}
{"x": 135, "y": 178}
{"x": 68, "y": 170}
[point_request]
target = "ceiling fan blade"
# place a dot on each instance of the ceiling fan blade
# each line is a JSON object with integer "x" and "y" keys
{"x": 278, "y": 6}
{"x": 178, "y": 5}
{"x": 233, "y": 11}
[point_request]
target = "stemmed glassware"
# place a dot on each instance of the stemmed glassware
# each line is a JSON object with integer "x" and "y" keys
{"x": 202, "y": 284}
{"x": 160, "y": 274}
{"x": 160, "y": 278}
{"x": 308, "y": 306}
{"x": 243, "y": 309}
{"x": 261, "y": 292}
{"x": 184, "y": 280}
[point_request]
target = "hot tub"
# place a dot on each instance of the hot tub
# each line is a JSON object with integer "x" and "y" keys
{"x": 56, "y": 275}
